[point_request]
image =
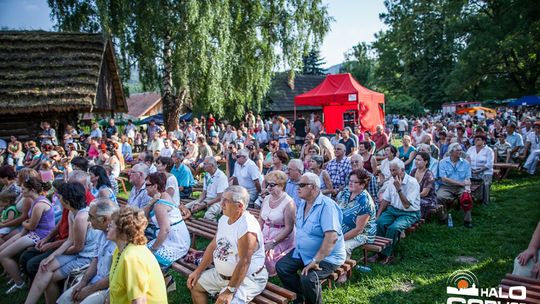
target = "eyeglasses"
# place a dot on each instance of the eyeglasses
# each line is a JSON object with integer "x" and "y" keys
{"x": 271, "y": 185}
{"x": 239, "y": 156}
{"x": 355, "y": 162}
{"x": 353, "y": 182}
{"x": 148, "y": 185}
{"x": 302, "y": 185}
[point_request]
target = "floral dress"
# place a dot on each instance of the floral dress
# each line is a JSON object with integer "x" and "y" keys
{"x": 429, "y": 201}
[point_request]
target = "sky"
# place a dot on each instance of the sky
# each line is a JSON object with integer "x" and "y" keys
{"x": 355, "y": 21}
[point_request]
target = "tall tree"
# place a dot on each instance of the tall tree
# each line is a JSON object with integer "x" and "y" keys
{"x": 312, "y": 63}
{"x": 360, "y": 64}
{"x": 216, "y": 56}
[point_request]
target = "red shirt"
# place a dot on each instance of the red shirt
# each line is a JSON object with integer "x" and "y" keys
{"x": 89, "y": 197}
{"x": 380, "y": 140}
{"x": 63, "y": 228}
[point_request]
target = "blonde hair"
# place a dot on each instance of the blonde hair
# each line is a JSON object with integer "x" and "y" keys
{"x": 279, "y": 176}
{"x": 131, "y": 222}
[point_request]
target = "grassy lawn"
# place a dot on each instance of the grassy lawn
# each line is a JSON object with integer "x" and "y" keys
{"x": 427, "y": 258}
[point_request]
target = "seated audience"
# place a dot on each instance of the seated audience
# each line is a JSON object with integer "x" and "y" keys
{"x": 278, "y": 213}
{"x": 214, "y": 183}
{"x": 138, "y": 197}
{"x": 455, "y": 174}
{"x": 407, "y": 153}
{"x": 532, "y": 146}
{"x": 294, "y": 172}
{"x": 183, "y": 174}
{"x": 135, "y": 275}
{"x": 247, "y": 174}
{"x": 167, "y": 231}
{"x": 93, "y": 287}
{"x": 38, "y": 225}
{"x": 426, "y": 179}
{"x": 481, "y": 160}
{"x": 319, "y": 245}
{"x": 399, "y": 209}
{"x": 339, "y": 168}
{"x": 237, "y": 252}
{"x": 315, "y": 166}
{"x": 75, "y": 252}
{"x": 359, "y": 211}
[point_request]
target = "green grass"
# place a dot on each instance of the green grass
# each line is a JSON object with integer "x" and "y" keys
{"x": 426, "y": 259}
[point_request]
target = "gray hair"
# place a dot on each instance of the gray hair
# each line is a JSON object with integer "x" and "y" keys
{"x": 453, "y": 146}
{"x": 81, "y": 177}
{"x": 340, "y": 145}
{"x": 211, "y": 160}
{"x": 355, "y": 156}
{"x": 399, "y": 165}
{"x": 298, "y": 163}
{"x": 142, "y": 168}
{"x": 312, "y": 179}
{"x": 424, "y": 146}
{"x": 239, "y": 194}
{"x": 243, "y": 152}
{"x": 104, "y": 206}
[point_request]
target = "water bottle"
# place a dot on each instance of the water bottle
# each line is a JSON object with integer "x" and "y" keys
{"x": 450, "y": 221}
{"x": 363, "y": 268}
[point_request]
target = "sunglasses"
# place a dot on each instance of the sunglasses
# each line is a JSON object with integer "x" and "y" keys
{"x": 302, "y": 185}
{"x": 148, "y": 185}
{"x": 271, "y": 185}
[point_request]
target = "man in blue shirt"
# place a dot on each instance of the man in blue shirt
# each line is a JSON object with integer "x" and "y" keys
{"x": 455, "y": 175}
{"x": 183, "y": 175}
{"x": 514, "y": 139}
{"x": 295, "y": 169}
{"x": 319, "y": 245}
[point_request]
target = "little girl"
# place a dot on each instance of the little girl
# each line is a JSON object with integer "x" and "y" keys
{"x": 9, "y": 212}
{"x": 46, "y": 172}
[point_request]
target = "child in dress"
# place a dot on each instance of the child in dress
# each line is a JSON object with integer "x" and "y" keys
{"x": 8, "y": 212}
{"x": 46, "y": 172}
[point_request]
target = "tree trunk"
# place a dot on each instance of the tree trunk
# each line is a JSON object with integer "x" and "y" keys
{"x": 171, "y": 103}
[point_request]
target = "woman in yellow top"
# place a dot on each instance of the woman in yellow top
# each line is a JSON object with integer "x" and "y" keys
{"x": 135, "y": 275}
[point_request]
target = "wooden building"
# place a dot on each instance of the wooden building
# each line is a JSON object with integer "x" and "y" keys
{"x": 55, "y": 77}
{"x": 280, "y": 97}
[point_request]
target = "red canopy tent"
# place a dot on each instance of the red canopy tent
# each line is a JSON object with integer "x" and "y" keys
{"x": 345, "y": 102}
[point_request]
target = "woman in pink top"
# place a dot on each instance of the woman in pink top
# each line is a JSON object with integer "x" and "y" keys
{"x": 278, "y": 214}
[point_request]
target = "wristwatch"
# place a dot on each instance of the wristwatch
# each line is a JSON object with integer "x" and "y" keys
{"x": 231, "y": 289}
{"x": 315, "y": 261}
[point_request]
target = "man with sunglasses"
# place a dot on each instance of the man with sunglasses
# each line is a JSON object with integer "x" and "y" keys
{"x": 319, "y": 245}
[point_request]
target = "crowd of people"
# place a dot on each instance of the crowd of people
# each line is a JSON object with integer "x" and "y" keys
{"x": 319, "y": 196}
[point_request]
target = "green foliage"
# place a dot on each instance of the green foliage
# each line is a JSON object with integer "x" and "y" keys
{"x": 312, "y": 63}
{"x": 403, "y": 104}
{"x": 437, "y": 51}
{"x": 360, "y": 64}
{"x": 211, "y": 56}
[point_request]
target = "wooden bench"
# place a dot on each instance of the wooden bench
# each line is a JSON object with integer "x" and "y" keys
{"x": 434, "y": 211}
{"x": 504, "y": 169}
{"x": 122, "y": 181}
{"x": 207, "y": 229}
{"x": 414, "y": 226}
{"x": 532, "y": 285}
{"x": 272, "y": 294}
{"x": 377, "y": 246}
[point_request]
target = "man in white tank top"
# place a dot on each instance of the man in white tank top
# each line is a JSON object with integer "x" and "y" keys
{"x": 237, "y": 252}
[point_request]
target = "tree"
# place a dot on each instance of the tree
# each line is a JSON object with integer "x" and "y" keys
{"x": 312, "y": 63}
{"x": 360, "y": 64}
{"x": 214, "y": 56}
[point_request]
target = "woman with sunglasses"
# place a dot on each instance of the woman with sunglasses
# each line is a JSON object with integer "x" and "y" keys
{"x": 167, "y": 230}
{"x": 277, "y": 220}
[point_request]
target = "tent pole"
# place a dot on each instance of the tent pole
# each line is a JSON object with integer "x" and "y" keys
{"x": 294, "y": 112}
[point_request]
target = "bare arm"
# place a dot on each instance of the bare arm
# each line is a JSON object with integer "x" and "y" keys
{"x": 164, "y": 223}
{"x": 37, "y": 212}
{"x": 205, "y": 262}
{"x": 77, "y": 234}
{"x": 361, "y": 222}
{"x": 23, "y": 217}
{"x": 328, "y": 182}
{"x": 289, "y": 220}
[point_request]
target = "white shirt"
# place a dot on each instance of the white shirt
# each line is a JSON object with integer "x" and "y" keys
{"x": 418, "y": 138}
{"x": 247, "y": 175}
{"x": 155, "y": 145}
{"x": 385, "y": 167}
{"x": 409, "y": 187}
{"x": 262, "y": 136}
{"x": 534, "y": 140}
{"x": 166, "y": 152}
{"x": 402, "y": 125}
{"x": 229, "y": 137}
{"x": 130, "y": 131}
{"x": 172, "y": 182}
{"x": 215, "y": 184}
{"x": 227, "y": 236}
{"x": 482, "y": 159}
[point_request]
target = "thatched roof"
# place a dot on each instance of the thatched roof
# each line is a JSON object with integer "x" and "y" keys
{"x": 49, "y": 71}
{"x": 281, "y": 95}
